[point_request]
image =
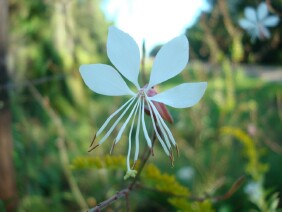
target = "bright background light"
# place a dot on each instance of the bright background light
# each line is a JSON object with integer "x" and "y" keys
{"x": 156, "y": 21}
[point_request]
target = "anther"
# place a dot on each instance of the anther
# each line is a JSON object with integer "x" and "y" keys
{"x": 93, "y": 140}
{"x": 113, "y": 147}
{"x": 171, "y": 154}
{"x": 93, "y": 148}
{"x": 171, "y": 161}
{"x": 177, "y": 150}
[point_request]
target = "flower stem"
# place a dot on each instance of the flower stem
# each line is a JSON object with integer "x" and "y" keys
{"x": 124, "y": 193}
{"x": 145, "y": 158}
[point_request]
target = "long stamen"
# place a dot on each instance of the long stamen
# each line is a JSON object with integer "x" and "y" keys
{"x": 130, "y": 133}
{"x": 160, "y": 125}
{"x": 149, "y": 142}
{"x": 134, "y": 110}
{"x": 128, "y": 154}
{"x": 116, "y": 122}
{"x": 112, "y": 115}
{"x": 157, "y": 133}
{"x": 137, "y": 135}
{"x": 163, "y": 123}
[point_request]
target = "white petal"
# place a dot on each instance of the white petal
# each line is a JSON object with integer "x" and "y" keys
{"x": 124, "y": 53}
{"x": 271, "y": 21}
{"x": 250, "y": 14}
{"x": 104, "y": 79}
{"x": 246, "y": 24}
{"x": 262, "y": 11}
{"x": 264, "y": 33}
{"x": 181, "y": 96}
{"x": 170, "y": 60}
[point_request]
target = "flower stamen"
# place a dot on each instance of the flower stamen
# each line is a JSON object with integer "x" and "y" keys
{"x": 163, "y": 123}
{"x": 93, "y": 148}
{"x": 149, "y": 142}
{"x": 156, "y": 130}
{"x": 116, "y": 122}
{"x": 93, "y": 140}
{"x": 134, "y": 110}
{"x": 113, "y": 147}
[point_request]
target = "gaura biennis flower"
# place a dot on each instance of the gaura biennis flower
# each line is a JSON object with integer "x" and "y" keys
{"x": 257, "y": 21}
{"x": 124, "y": 54}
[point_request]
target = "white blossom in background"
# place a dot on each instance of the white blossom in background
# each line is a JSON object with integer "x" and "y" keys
{"x": 124, "y": 54}
{"x": 257, "y": 21}
{"x": 254, "y": 191}
{"x": 186, "y": 173}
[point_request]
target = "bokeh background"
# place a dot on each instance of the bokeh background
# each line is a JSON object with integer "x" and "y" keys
{"x": 230, "y": 142}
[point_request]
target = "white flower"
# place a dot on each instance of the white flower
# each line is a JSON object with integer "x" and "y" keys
{"x": 124, "y": 54}
{"x": 186, "y": 173}
{"x": 257, "y": 21}
{"x": 254, "y": 190}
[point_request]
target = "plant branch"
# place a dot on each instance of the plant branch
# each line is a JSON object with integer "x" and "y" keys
{"x": 124, "y": 193}
{"x": 235, "y": 186}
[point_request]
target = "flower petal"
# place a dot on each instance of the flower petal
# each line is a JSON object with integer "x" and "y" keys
{"x": 181, "y": 96}
{"x": 246, "y": 24}
{"x": 264, "y": 33}
{"x": 262, "y": 11}
{"x": 170, "y": 60}
{"x": 271, "y": 21}
{"x": 250, "y": 14}
{"x": 104, "y": 79}
{"x": 124, "y": 53}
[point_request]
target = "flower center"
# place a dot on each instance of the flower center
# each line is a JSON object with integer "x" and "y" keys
{"x": 141, "y": 93}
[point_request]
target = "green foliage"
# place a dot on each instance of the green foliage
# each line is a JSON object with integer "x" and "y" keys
{"x": 151, "y": 178}
{"x": 254, "y": 167}
{"x": 181, "y": 204}
{"x": 163, "y": 182}
{"x": 233, "y": 131}
{"x": 108, "y": 162}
